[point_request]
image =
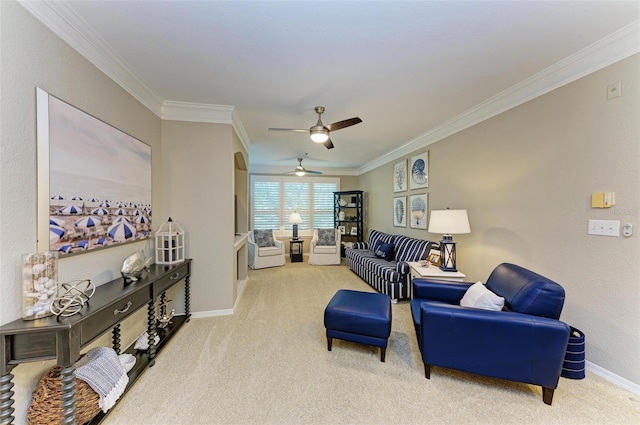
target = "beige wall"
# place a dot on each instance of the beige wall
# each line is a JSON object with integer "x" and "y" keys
{"x": 526, "y": 177}
{"x": 198, "y": 191}
{"x": 32, "y": 56}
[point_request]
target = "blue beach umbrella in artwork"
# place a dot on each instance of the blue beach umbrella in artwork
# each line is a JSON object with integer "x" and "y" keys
{"x": 57, "y": 198}
{"x": 122, "y": 231}
{"x": 56, "y": 221}
{"x": 120, "y": 211}
{"x": 141, "y": 219}
{"x": 121, "y": 219}
{"x": 93, "y": 200}
{"x": 104, "y": 204}
{"x": 99, "y": 211}
{"x": 55, "y": 233}
{"x": 136, "y": 213}
{"x": 76, "y": 198}
{"x": 87, "y": 222}
{"x": 70, "y": 210}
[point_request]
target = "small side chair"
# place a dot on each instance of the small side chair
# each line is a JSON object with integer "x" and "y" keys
{"x": 324, "y": 248}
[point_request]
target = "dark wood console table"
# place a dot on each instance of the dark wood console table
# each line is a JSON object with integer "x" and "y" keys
{"x": 62, "y": 339}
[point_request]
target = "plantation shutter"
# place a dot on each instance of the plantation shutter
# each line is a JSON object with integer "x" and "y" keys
{"x": 323, "y": 205}
{"x": 266, "y": 205}
{"x": 296, "y": 198}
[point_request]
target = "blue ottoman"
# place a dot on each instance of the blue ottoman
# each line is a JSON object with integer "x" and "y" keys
{"x": 362, "y": 317}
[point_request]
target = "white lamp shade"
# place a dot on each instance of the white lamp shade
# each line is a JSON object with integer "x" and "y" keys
{"x": 295, "y": 218}
{"x": 451, "y": 222}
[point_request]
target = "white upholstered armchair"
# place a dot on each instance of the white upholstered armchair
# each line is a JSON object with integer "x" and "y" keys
{"x": 264, "y": 249}
{"x": 324, "y": 249}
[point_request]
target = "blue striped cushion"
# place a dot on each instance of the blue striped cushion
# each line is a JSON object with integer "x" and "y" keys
{"x": 409, "y": 249}
{"x": 375, "y": 236}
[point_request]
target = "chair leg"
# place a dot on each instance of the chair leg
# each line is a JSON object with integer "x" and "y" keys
{"x": 329, "y": 340}
{"x": 383, "y": 351}
{"x": 427, "y": 371}
{"x": 547, "y": 395}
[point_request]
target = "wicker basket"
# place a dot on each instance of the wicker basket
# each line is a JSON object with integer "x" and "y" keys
{"x": 46, "y": 403}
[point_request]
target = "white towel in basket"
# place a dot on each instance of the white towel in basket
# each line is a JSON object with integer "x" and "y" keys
{"x": 101, "y": 369}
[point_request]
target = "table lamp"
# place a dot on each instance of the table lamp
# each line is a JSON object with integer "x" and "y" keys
{"x": 448, "y": 222}
{"x": 295, "y": 219}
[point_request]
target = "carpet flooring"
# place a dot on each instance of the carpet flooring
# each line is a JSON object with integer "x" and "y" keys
{"x": 268, "y": 364}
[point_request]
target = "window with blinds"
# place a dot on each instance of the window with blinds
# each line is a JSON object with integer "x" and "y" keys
{"x": 273, "y": 199}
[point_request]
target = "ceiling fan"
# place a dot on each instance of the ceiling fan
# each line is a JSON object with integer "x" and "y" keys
{"x": 320, "y": 133}
{"x": 301, "y": 171}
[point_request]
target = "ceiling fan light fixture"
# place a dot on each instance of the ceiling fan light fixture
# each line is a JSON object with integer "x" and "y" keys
{"x": 319, "y": 134}
{"x": 300, "y": 173}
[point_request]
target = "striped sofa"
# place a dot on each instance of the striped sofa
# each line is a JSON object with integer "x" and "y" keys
{"x": 388, "y": 277}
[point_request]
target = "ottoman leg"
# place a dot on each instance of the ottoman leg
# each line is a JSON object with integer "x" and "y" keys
{"x": 329, "y": 340}
{"x": 383, "y": 351}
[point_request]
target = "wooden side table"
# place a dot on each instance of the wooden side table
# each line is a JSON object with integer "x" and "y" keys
{"x": 295, "y": 250}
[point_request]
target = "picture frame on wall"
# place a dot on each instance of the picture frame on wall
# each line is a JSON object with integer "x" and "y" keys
{"x": 400, "y": 176}
{"x": 94, "y": 181}
{"x": 419, "y": 171}
{"x": 418, "y": 211}
{"x": 400, "y": 211}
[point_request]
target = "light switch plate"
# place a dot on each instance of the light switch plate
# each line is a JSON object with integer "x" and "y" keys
{"x": 604, "y": 227}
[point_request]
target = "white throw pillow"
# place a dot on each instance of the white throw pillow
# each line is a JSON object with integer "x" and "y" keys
{"x": 478, "y": 296}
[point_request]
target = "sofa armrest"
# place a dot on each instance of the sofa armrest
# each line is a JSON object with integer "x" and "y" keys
{"x": 435, "y": 290}
{"x": 360, "y": 245}
{"x": 501, "y": 344}
{"x": 403, "y": 267}
{"x": 279, "y": 244}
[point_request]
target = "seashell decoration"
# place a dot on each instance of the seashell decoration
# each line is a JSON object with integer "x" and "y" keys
{"x": 39, "y": 284}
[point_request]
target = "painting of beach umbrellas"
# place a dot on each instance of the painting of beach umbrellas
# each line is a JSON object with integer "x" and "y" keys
{"x": 84, "y": 164}
{"x": 122, "y": 231}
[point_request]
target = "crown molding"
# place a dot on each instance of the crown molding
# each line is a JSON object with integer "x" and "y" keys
{"x": 240, "y": 130}
{"x": 197, "y": 112}
{"x": 66, "y": 24}
{"x": 613, "y": 48}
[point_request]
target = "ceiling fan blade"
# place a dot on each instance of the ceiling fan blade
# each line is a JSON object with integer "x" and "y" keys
{"x": 342, "y": 124}
{"x": 297, "y": 130}
{"x": 328, "y": 144}
{"x": 313, "y": 172}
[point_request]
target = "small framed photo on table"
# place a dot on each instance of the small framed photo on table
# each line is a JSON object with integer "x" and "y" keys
{"x": 434, "y": 257}
{"x": 354, "y": 231}
{"x": 343, "y": 230}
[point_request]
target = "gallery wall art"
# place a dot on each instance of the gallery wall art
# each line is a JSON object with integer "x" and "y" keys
{"x": 400, "y": 176}
{"x": 419, "y": 171}
{"x": 418, "y": 208}
{"x": 400, "y": 211}
{"x": 94, "y": 181}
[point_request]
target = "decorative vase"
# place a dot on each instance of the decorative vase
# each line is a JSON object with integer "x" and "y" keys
{"x": 341, "y": 215}
{"x": 39, "y": 284}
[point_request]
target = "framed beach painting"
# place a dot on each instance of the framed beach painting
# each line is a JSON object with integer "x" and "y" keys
{"x": 400, "y": 176}
{"x": 399, "y": 211}
{"x": 94, "y": 181}
{"x": 419, "y": 171}
{"x": 418, "y": 211}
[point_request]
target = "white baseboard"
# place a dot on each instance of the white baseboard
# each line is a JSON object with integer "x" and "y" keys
{"x": 226, "y": 312}
{"x": 613, "y": 378}
{"x": 212, "y": 313}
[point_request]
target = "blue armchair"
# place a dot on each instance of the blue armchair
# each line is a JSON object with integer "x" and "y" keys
{"x": 524, "y": 342}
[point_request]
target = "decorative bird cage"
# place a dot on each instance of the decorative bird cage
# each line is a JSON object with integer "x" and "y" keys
{"x": 170, "y": 243}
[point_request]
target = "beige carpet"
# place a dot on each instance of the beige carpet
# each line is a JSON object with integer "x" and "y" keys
{"x": 269, "y": 364}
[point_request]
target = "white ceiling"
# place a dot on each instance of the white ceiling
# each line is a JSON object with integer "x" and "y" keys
{"x": 414, "y": 72}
